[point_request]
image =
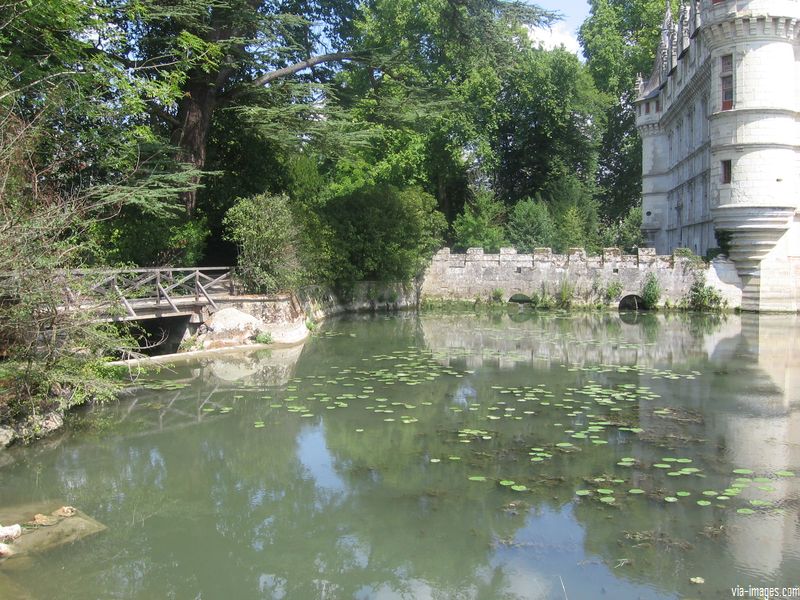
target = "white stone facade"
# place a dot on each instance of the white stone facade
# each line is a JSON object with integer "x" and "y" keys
{"x": 720, "y": 125}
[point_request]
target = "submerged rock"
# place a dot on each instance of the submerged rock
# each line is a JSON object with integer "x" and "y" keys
{"x": 39, "y": 426}
{"x": 7, "y": 436}
{"x": 5, "y": 551}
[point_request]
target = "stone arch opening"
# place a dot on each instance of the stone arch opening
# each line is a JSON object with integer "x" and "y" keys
{"x": 631, "y": 302}
{"x": 520, "y": 299}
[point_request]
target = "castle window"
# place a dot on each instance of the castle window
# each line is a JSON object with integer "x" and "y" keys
{"x": 727, "y": 171}
{"x": 726, "y": 79}
{"x": 647, "y": 108}
{"x": 717, "y": 1}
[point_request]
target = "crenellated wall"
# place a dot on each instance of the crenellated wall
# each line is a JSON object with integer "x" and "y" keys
{"x": 477, "y": 275}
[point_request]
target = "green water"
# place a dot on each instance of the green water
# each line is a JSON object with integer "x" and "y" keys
{"x": 342, "y": 468}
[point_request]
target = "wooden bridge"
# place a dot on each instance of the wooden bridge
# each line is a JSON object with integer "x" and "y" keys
{"x": 135, "y": 294}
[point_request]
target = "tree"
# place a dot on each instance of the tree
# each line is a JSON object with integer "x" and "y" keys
{"x": 221, "y": 54}
{"x": 550, "y": 125}
{"x": 481, "y": 224}
{"x": 619, "y": 40}
{"x": 625, "y": 233}
{"x": 531, "y": 226}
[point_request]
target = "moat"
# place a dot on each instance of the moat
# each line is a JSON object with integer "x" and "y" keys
{"x": 535, "y": 456}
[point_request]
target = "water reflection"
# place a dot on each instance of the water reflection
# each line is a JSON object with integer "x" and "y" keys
{"x": 202, "y": 502}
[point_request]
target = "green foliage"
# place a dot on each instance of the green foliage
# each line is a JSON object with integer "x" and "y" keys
{"x": 381, "y": 233}
{"x": 651, "y": 291}
{"x": 498, "y": 295}
{"x": 264, "y": 231}
{"x": 724, "y": 240}
{"x": 548, "y": 103}
{"x": 263, "y": 337}
{"x": 531, "y": 226}
{"x": 481, "y": 224}
{"x": 572, "y": 229}
{"x": 565, "y": 294}
{"x": 619, "y": 41}
{"x": 694, "y": 260}
{"x": 613, "y": 291}
{"x": 542, "y": 299}
{"x": 702, "y": 297}
{"x": 624, "y": 233}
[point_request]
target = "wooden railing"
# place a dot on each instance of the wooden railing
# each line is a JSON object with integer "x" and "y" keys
{"x": 149, "y": 292}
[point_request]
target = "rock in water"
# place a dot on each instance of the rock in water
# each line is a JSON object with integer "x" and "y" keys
{"x": 43, "y": 520}
{"x": 230, "y": 327}
{"x": 5, "y": 551}
{"x": 11, "y": 532}
{"x": 65, "y": 511}
{"x": 7, "y": 435}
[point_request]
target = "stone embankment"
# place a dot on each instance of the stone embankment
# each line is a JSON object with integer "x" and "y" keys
{"x": 476, "y": 275}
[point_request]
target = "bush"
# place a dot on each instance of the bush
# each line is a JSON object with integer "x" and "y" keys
{"x": 264, "y": 230}
{"x": 263, "y": 337}
{"x": 703, "y": 297}
{"x": 382, "y": 233}
{"x": 565, "y": 292}
{"x": 480, "y": 225}
{"x": 531, "y": 226}
{"x": 651, "y": 291}
{"x": 497, "y": 295}
{"x": 613, "y": 291}
{"x": 694, "y": 260}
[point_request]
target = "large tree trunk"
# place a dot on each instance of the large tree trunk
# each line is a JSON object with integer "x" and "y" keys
{"x": 191, "y": 136}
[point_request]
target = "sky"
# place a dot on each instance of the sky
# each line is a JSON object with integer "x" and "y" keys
{"x": 565, "y": 31}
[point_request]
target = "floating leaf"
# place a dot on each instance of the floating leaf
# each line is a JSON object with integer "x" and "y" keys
{"x": 670, "y": 499}
{"x": 746, "y": 511}
{"x": 743, "y": 471}
{"x": 583, "y": 493}
{"x": 785, "y": 474}
{"x": 519, "y": 488}
{"x": 703, "y": 503}
{"x": 507, "y": 482}
{"x": 477, "y": 478}
{"x": 635, "y": 491}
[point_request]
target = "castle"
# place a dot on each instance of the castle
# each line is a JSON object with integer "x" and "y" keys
{"x": 719, "y": 120}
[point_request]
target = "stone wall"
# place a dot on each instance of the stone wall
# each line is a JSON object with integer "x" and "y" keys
{"x": 476, "y": 275}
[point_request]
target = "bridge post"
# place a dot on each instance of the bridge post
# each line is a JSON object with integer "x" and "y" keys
{"x": 158, "y": 287}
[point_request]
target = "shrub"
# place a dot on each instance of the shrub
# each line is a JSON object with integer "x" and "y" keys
{"x": 264, "y": 230}
{"x": 497, "y": 295}
{"x": 565, "y": 292}
{"x": 703, "y": 297}
{"x": 651, "y": 291}
{"x": 694, "y": 260}
{"x": 263, "y": 337}
{"x": 613, "y": 291}
{"x": 480, "y": 225}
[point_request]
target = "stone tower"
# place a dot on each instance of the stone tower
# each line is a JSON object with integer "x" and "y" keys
{"x": 721, "y": 142}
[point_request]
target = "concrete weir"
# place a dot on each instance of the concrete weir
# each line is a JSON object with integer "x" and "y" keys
{"x": 477, "y": 275}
